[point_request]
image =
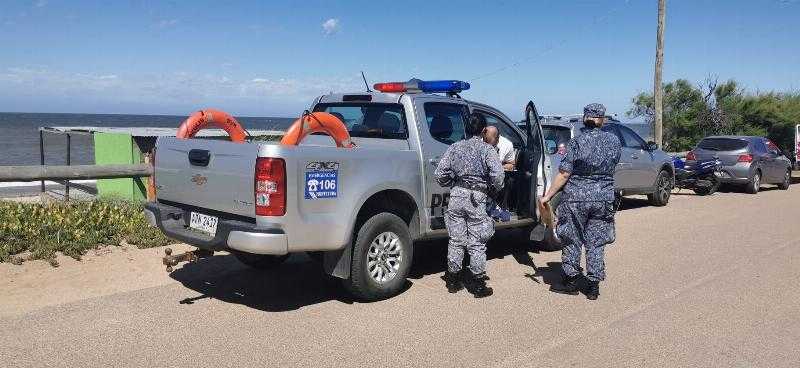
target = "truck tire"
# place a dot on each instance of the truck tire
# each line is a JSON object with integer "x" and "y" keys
{"x": 382, "y": 254}
{"x": 259, "y": 261}
{"x": 550, "y": 242}
{"x": 754, "y": 184}
{"x": 660, "y": 197}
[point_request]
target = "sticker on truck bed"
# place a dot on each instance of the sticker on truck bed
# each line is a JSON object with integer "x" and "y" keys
{"x": 322, "y": 180}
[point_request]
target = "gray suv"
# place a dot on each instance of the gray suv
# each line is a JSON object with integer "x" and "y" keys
{"x": 642, "y": 169}
{"x": 747, "y": 160}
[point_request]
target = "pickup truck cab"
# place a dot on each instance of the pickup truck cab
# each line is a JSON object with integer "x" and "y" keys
{"x": 358, "y": 209}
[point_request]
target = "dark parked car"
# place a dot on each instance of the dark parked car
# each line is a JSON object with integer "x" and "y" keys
{"x": 748, "y": 161}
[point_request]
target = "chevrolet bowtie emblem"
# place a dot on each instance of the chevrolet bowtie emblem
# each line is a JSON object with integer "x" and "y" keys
{"x": 199, "y": 179}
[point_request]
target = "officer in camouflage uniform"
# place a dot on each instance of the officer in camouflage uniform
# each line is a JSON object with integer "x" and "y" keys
{"x": 586, "y": 211}
{"x": 472, "y": 168}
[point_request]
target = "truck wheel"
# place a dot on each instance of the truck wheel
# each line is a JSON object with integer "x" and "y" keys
{"x": 787, "y": 180}
{"x": 259, "y": 261}
{"x": 617, "y": 201}
{"x": 382, "y": 255}
{"x": 755, "y": 183}
{"x": 550, "y": 242}
{"x": 316, "y": 257}
{"x": 663, "y": 190}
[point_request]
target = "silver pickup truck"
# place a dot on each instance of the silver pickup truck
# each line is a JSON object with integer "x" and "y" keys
{"x": 357, "y": 209}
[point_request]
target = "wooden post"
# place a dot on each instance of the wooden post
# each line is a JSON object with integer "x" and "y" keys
{"x": 69, "y": 162}
{"x": 658, "y": 97}
{"x": 41, "y": 152}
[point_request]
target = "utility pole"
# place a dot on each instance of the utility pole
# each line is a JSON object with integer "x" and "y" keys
{"x": 658, "y": 98}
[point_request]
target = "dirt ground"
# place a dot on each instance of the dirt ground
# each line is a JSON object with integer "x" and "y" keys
{"x": 705, "y": 281}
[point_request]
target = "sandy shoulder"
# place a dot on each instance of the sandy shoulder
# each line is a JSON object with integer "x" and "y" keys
{"x": 110, "y": 270}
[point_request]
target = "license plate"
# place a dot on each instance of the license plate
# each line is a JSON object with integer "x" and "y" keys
{"x": 204, "y": 223}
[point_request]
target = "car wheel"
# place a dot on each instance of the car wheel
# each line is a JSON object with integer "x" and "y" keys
{"x": 663, "y": 190}
{"x": 259, "y": 261}
{"x": 755, "y": 183}
{"x": 787, "y": 180}
{"x": 382, "y": 255}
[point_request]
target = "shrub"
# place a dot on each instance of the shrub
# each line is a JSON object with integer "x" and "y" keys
{"x": 72, "y": 228}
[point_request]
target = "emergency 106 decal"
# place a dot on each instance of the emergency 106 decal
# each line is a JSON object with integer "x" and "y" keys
{"x": 322, "y": 180}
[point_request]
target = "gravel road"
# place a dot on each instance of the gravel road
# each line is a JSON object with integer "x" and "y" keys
{"x": 705, "y": 281}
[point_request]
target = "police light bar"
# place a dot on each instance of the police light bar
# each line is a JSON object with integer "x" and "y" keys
{"x": 416, "y": 85}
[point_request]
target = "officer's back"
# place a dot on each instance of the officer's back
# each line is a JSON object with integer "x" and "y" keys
{"x": 594, "y": 155}
{"x": 475, "y": 165}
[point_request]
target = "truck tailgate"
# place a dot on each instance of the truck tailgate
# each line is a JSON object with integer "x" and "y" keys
{"x": 208, "y": 174}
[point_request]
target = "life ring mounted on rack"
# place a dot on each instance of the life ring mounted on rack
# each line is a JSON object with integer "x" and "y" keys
{"x": 318, "y": 122}
{"x": 208, "y": 117}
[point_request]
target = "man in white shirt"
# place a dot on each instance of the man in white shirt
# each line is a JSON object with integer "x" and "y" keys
{"x": 505, "y": 151}
{"x": 505, "y": 148}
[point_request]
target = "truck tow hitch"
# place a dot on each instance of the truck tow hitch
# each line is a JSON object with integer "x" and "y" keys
{"x": 191, "y": 256}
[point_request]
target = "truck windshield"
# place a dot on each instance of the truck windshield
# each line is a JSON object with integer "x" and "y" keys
{"x": 369, "y": 120}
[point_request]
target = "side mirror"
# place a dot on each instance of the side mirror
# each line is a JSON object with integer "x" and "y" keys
{"x": 651, "y": 146}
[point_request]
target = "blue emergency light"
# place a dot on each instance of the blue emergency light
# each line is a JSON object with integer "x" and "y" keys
{"x": 416, "y": 85}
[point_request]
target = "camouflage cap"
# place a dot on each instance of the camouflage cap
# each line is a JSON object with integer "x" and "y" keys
{"x": 594, "y": 110}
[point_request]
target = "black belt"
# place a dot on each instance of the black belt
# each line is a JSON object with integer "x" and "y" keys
{"x": 478, "y": 187}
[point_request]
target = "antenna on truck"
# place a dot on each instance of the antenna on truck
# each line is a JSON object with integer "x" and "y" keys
{"x": 365, "y": 81}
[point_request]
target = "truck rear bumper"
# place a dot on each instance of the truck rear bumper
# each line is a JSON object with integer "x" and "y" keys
{"x": 231, "y": 234}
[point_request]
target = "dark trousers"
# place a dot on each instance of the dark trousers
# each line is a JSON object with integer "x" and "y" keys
{"x": 587, "y": 225}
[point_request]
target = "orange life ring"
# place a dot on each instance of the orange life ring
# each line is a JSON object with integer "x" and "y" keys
{"x": 205, "y": 118}
{"x": 318, "y": 122}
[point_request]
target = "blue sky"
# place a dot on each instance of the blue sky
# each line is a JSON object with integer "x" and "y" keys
{"x": 271, "y": 58}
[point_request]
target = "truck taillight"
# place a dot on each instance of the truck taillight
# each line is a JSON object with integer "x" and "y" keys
{"x": 745, "y": 158}
{"x": 690, "y": 156}
{"x": 270, "y": 187}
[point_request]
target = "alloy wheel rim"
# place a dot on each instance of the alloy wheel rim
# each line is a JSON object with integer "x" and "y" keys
{"x": 384, "y": 256}
{"x": 663, "y": 185}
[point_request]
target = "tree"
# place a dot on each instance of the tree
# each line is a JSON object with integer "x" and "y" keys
{"x": 712, "y": 108}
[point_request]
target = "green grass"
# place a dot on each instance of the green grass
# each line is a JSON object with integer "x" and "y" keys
{"x": 41, "y": 230}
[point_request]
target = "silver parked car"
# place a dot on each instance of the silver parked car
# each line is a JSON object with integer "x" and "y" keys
{"x": 747, "y": 160}
{"x": 643, "y": 167}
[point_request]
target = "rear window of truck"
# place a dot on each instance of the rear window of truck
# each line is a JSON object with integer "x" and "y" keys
{"x": 369, "y": 120}
{"x": 722, "y": 144}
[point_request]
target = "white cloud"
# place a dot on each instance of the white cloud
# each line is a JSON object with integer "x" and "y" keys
{"x": 40, "y": 3}
{"x": 166, "y": 23}
{"x": 330, "y": 26}
{"x": 175, "y": 90}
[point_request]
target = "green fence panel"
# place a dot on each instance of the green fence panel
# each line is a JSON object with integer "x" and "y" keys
{"x": 118, "y": 148}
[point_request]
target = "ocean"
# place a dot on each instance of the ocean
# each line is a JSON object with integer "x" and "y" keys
{"x": 19, "y": 133}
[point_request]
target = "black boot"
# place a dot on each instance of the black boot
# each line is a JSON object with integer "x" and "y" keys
{"x": 476, "y": 285}
{"x": 453, "y": 282}
{"x": 593, "y": 291}
{"x": 569, "y": 287}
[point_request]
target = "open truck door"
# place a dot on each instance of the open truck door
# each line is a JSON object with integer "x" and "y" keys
{"x": 532, "y": 164}
{"x": 535, "y": 168}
